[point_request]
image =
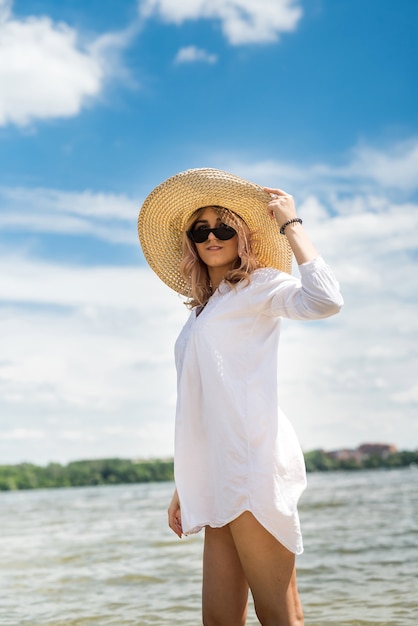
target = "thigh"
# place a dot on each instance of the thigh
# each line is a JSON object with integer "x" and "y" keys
{"x": 269, "y": 568}
{"x": 225, "y": 588}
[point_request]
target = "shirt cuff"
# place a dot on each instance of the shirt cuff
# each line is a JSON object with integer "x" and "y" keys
{"x": 310, "y": 266}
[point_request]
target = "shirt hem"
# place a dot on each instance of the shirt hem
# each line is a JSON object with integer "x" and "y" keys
{"x": 295, "y": 549}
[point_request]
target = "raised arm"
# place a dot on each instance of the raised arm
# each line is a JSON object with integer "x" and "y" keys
{"x": 282, "y": 208}
{"x": 317, "y": 294}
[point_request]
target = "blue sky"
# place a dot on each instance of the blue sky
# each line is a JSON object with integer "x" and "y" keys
{"x": 102, "y": 100}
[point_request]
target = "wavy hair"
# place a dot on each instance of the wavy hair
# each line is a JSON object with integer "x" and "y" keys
{"x": 195, "y": 272}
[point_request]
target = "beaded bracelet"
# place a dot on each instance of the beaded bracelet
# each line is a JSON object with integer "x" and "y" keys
{"x": 296, "y": 219}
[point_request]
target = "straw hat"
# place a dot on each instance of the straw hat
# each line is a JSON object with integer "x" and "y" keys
{"x": 167, "y": 209}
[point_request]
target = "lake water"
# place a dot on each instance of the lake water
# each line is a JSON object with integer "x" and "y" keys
{"x": 103, "y": 556}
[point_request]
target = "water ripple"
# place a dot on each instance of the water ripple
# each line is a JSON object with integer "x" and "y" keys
{"x": 104, "y": 556}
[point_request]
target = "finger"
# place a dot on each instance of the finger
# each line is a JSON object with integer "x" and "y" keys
{"x": 176, "y": 530}
{"x": 179, "y": 524}
{"x": 174, "y": 523}
{"x": 276, "y": 192}
{"x": 278, "y": 200}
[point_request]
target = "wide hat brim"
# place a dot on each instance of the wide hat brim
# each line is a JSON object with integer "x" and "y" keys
{"x": 169, "y": 206}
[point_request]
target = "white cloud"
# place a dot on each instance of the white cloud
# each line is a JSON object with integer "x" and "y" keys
{"x": 82, "y": 352}
{"x": 110, "y": 217}
{"x": 114, "y": 288}
{"x": 242, "y": 21}
{"x": 192, "y": 54}
{"x": 367, "y": 170}
{"x": 48, "y": 61}
{"x": 407, "y": 396}
{"x": 396, "y": 167}
{"x": 5, "y": 9}
{"x": 22, "y": 433}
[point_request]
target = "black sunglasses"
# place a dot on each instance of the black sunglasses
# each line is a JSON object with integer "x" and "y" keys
{"x": 201, "y": 234}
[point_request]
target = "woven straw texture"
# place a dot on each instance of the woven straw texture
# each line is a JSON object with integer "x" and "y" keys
{"x": 166, "y": 210}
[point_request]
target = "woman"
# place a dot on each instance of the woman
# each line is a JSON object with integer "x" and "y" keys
{"x": 227, "y": 245}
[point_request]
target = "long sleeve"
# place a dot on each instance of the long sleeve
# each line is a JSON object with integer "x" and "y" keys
{"x": 315, "y": 295}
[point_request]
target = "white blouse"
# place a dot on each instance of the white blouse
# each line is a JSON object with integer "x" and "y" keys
{"x": 235, "y": 450}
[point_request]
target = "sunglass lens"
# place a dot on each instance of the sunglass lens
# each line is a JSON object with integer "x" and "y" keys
{"x": 201, "y": 234}
{"x": 224, "y": 232}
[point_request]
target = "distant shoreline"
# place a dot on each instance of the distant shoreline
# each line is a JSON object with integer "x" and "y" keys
{"x": 125, "y": 471}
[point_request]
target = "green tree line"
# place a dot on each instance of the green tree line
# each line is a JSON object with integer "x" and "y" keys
{"x": 83, "y": 473}
{"x": 124, "y": 471}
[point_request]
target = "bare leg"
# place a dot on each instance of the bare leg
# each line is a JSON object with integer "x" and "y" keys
{"x": 269, "y": 568}
{"x": 225, "y": 588}
{"x": 293, "y": 602}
